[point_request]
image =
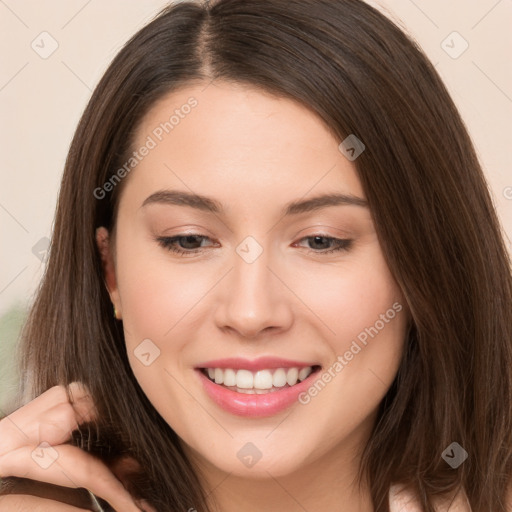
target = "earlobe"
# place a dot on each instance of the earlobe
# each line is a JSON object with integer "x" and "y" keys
{"x": 107, "y": 260}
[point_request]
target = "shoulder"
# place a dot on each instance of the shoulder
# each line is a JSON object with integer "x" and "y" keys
{"x": 402, "y": 500}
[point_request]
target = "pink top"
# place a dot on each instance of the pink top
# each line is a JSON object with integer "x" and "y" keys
{"x": 404, "y": 501}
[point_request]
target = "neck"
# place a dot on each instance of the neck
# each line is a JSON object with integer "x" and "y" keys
{"x": 322, "y": 488}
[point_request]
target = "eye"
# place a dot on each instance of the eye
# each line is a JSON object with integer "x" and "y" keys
{"x": 191, "y": 243}
{"x": 334, "y": 244}
{"x": 184, "y": 244}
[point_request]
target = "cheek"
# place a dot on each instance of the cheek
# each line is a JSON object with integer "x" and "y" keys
{"x": 155, "y": 294}
{"x": 337, "y": 304}
{"x": 365, "y": 316}
{"x": 350, "y": 296}
{"x": 156, "y": 299}
{"x": 346, "y": 298}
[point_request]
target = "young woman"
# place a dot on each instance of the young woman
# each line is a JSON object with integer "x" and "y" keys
{"x": 312, "y": 299}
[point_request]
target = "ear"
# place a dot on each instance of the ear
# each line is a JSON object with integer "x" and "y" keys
{"x": 109, "y": 274}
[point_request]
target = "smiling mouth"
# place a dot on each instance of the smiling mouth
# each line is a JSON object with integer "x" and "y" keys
{"x": 258, "y": 382}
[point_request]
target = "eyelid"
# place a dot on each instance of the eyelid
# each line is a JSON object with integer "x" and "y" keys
{"x": 340, "y": 244}
{"x": 167, "y": 242}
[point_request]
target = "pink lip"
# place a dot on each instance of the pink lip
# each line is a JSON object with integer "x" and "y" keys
{"x": 253, "y": 406}
{"x": 262, "y": 363}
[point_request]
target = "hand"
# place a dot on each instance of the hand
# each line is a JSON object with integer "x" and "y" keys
{"x": 21, "y": 503}
{"x": 50, "y": 418}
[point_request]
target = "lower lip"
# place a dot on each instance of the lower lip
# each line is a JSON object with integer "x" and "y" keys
{"x": 252, "y": 405}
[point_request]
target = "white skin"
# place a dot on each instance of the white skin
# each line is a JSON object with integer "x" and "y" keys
{"x": 254, "y": 153}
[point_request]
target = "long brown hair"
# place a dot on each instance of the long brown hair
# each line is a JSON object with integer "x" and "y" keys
{"x": 431, "y": 207}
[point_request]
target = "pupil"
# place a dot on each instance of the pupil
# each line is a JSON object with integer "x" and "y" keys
{"x": 316, "y": 238}
{"x": 189, "y": 239}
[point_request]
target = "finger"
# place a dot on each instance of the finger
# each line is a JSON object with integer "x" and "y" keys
{"x": 53, "y": 426}
{"x": 67, "y": 466}
{"x": 49, "y": 417}
{"x": 56, "y": 425}
{"x": 25, "y": 503}
{"x": 51, "y": 397}
{"x": 145, "y": 506}
{"x": 123, "y": 468}
{"x": 81, "y": 400}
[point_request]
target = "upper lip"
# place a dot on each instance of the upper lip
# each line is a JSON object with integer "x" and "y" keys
{"x": 262, "y": 363}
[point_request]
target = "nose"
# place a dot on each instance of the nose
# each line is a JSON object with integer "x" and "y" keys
{"x": 254, "y": 299}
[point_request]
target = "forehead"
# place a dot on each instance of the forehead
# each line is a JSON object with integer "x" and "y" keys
{"x": 227, "y": 139}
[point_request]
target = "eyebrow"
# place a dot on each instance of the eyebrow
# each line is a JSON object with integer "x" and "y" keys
{"x": 208, "y": 204}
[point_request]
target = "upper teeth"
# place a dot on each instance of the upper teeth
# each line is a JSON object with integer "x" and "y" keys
{"x": 262, "y": 379}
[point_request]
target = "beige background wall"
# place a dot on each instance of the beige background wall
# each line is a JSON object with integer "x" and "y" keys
{"x": 42, "y": 95}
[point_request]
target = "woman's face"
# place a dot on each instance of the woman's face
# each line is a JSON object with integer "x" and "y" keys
{"x": 271, "y": 286}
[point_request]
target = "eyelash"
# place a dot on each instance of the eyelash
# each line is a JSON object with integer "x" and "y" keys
{"x": 341, "y": 245}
